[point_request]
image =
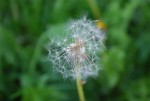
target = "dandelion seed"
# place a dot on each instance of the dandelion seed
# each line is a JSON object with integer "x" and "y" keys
{"x": 76, "y": 54}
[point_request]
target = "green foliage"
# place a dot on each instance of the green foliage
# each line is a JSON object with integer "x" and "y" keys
{"x": 27, "y": 25}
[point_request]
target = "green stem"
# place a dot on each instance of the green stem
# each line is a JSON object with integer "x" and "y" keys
{"x": 80, "y": 89}
{"x": 94, "y": 7}
{"x": 14, "y": 9}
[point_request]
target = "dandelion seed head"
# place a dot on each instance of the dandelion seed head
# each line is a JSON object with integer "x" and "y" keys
{"x": 75, "y": 55}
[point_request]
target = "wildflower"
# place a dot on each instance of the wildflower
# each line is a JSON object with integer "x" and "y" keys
{"x": 76, "y": 54}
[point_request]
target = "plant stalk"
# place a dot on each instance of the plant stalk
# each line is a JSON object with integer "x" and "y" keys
{"x": 80, "y": 89}
{"x": 94, "y": 8}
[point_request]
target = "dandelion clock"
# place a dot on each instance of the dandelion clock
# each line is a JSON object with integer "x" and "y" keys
{"x": 75, "y": 55}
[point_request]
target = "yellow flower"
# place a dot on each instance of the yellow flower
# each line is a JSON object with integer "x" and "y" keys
{"x": 101, "y": 25}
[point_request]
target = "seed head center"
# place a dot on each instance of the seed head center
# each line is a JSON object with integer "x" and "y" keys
{"x": 76, "y": 50}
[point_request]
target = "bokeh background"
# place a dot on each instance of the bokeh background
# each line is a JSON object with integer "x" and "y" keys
{"x": 24, "y": 29}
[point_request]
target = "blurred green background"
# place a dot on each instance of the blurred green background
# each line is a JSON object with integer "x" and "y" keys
{"x": 24, "y": 29}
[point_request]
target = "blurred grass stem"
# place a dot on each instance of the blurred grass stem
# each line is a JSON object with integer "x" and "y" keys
{"x": 94, "y": 7}
{"x": 14, "y": 10}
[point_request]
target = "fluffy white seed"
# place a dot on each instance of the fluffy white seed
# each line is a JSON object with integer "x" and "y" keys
{"x": 77, "y": 57}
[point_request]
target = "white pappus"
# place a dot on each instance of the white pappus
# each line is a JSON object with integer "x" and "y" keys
{"x": 76, "y": 54}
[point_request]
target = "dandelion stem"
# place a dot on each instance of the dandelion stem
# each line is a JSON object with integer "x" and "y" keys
{"x": 80, "y": 89}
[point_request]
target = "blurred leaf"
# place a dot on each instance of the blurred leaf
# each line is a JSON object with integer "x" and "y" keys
{"x": 114, "y": 65}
